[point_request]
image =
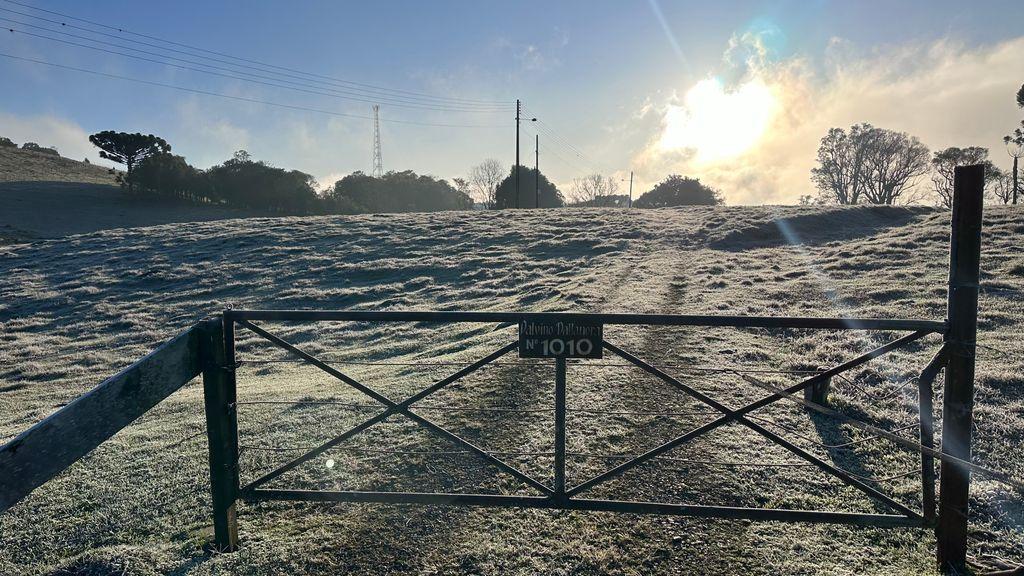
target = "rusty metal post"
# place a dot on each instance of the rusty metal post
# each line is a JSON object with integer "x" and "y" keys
{"x": 218, "y": 353}
{"x": 559, "y": 429}
{"x": 818, "y": 392}
{"x": 958, "y": 402}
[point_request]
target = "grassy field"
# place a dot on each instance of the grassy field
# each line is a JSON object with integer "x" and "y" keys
{"x": 17, "y": 165}
{"x": 79, "y": 308}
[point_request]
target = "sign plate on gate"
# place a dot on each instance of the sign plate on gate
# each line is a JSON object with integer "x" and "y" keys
{"x": 562, "y": 338}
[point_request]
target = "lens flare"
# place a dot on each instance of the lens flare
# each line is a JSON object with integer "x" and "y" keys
{"x": 719, "y": 124}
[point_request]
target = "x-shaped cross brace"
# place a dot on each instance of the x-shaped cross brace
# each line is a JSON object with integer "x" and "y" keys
{"x": 391, "y": 408}
{"x": 738, "y": 415}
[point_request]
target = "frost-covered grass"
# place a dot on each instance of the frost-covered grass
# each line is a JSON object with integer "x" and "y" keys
{"x": 77, "y": 309}
{"x": 17, "y": 165}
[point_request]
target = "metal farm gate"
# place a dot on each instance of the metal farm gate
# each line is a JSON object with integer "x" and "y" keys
{"x": 558, "y": 335}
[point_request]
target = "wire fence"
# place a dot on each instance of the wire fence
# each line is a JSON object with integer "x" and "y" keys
{"x": 376, "y": 453}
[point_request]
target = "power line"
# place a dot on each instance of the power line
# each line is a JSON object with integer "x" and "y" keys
{"x": 548, "y": 149}
{"x": 122, "y": 30}
{"x": 551, "y": 133}
{"x": 241, "y": 98}
{"x": 334, "y": 93}
{"x": 572, "y": 151}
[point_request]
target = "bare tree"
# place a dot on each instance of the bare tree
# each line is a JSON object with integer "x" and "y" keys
{"x": 484, "y": 179}
{"x": 868, "y": 164}
{"x": 839, "y": 175}
{"x": 945, "y": 162}
{"x": 1002, "y": 187}
{"x": 593, "y": 189}
{"x": 893, "y": 163}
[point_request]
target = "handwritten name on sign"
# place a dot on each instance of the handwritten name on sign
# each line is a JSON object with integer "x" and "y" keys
{"x": 560, "y": 338}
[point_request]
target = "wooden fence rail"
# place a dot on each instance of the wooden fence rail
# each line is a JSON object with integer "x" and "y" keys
{"x": 58, "y": 441}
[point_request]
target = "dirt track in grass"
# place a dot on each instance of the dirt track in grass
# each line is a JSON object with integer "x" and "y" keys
{"x": 78, "y": 308}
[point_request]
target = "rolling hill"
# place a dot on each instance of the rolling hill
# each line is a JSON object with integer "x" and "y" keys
{"x": 46, "y": 196}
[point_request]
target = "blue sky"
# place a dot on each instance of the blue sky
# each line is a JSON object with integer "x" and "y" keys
{"x": 608, "y": 78}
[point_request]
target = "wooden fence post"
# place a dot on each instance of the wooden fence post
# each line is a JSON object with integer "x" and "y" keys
{"x": 958, "y": 401}
{"x": 217, "y": 349}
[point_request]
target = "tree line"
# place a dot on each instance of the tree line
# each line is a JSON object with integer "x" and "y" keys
{"x": 871, "y": 165}
{"x": 30, "y": 146}
{"x": 497, "y": 189}
{"x": 153, "y": 171}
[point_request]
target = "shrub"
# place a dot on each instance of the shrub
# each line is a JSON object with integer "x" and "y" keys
{"x": 6, "y": 142}
{"x": 679, "y": 191}
{"x": 505, "y": 195}
{"x": 32, "y": 146}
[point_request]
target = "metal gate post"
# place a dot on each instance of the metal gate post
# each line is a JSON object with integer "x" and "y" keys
{"x": 559, "y": 429}
{"x": 958, "y": 402}
{"x": 218, "y": 353}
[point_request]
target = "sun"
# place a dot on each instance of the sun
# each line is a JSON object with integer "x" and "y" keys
{"x": 719, "y": 124}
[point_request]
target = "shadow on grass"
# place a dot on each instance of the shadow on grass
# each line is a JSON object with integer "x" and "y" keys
{"x": 844, "y": 458}
{"x": 818, "y": 227}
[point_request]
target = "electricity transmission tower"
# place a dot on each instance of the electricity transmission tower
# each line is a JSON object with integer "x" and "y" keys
{"x": 378, "y": 164}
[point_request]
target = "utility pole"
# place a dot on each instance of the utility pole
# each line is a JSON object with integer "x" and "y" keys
{"x": 630, "y": 205}
{"x": 519, "y": 110}
{"x": 519, "y": 107}
{"x": 536, "y": 166}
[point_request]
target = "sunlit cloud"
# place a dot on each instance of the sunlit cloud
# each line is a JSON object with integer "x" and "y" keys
{"x": 752, "y": 129}
{"x": 719, "y": 124}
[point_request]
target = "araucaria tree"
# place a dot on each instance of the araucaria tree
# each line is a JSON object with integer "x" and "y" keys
{"x": 945, "y": 162}
{"x": 1015, "y": 146}
{"x": 128, "y": 149}
{"x": 868, "y": 164}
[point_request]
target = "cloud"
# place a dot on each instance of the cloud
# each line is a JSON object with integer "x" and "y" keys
{"x": 70, "y": 139}
{"x": 942, "y": 92}
{"x": 212, "y": 138}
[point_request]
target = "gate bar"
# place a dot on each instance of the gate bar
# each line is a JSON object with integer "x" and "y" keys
{"x": 498, "y": 500}
{"x": 907, "y": 325}
{"x": 560, "y": 428}
{"x": 926, "y": 418}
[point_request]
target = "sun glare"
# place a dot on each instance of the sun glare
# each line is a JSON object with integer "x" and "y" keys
{"x": 719, "y": 124}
